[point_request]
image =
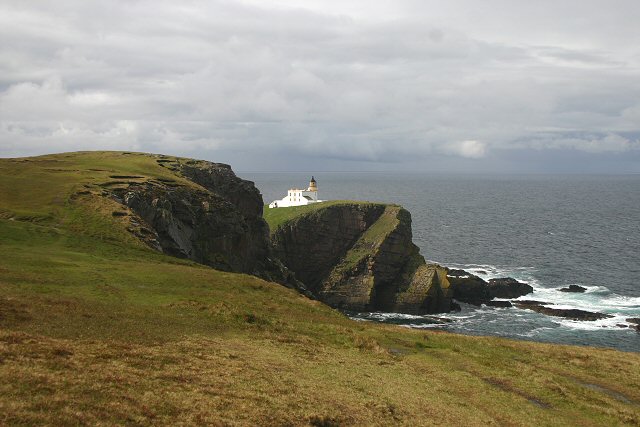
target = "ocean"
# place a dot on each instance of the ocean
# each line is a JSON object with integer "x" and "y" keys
{"x": 547, "y": 230}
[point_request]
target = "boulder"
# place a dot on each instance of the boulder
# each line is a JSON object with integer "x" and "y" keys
{"x": 498, "y": 303}
{"x": 508, "y": 288}
{"x": 574, "y": 289}
{"x": 472, "y": 289}
{"x": 467, "y": 287}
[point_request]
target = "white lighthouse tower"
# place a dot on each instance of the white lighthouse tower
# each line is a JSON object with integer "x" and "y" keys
{"x": 299, "y": 197}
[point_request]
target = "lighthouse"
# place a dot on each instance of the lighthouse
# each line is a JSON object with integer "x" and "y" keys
{"x": 313, "y": 186}
{"x": 299, "y": 197}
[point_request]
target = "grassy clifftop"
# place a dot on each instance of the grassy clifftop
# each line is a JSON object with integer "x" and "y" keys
{"x": 96, "y": 328}
{"x": 280, "y": 216}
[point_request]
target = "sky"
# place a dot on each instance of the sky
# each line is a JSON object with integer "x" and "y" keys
{"x": 295, "y": 85}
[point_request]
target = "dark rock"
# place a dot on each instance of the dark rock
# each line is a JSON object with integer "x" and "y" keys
{"x": 498, "y": 303}
{"x": 467, "y": 287}
{"x": 474, "y": 290}
{"x": 571, "y": 313}
{"x": 526, "y": 302}
{"x": 220, "y": 179}
{"x": 635, "y": 323}
{"x": 508, "y": 288}
{"x": 199, "y": 225}
{"x": 573, "y": 288}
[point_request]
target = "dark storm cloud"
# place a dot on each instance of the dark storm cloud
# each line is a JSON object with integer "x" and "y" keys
{"x": 397, "y": 82}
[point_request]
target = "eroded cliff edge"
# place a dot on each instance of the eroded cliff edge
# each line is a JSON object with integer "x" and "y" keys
{"x": 360, "y": 256}
{"x": 204, "y": 212}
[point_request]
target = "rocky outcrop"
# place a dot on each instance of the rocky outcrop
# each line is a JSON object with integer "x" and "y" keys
{"x": 472, "y": 289}
{"x": 206, "y": 214}
{"x": 508, "y": 287}
{"x": 360, "y": 257}
{"x": 635, "y": 323}
{"x": 567, "y": 313}
{"x": 467, "y": 287}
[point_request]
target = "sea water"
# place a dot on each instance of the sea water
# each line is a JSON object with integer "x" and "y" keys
{"x": 547, "y": 230}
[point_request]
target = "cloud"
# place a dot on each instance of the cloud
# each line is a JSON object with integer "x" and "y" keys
{"x": 470, "y": 149}
{"x": 350, "y": 81}
{"x": 606, "y": 143}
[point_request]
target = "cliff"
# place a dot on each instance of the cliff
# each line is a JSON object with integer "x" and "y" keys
{"x": 204, "y": 213}
{"x": 359, "y": 256}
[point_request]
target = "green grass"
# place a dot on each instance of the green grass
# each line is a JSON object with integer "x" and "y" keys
{"x": 97, "y": 329}
{"x": 277, "y": 217}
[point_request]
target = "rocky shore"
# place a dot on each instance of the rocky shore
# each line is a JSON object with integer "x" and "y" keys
{"x": 472, "y": 289}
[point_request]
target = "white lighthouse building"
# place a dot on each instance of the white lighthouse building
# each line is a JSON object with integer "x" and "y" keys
{"x": 298, "y": 197}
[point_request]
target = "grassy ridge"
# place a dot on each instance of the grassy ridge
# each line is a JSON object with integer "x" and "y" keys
{"x": 97, "y": 329}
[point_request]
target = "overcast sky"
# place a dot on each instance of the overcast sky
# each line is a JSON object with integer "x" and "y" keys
{"x": 462, "y": 86}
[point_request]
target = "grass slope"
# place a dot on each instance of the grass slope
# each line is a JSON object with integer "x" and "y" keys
{"x": 97, "y": 329}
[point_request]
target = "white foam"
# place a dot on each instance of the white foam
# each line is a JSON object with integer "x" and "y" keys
{"x": 596, "y": 298}
{"x": 610, "y": 324}
{"x": 535, "y": 332}
{"x": 385, "y": 316}
{"x": 424, "y": 325}
{"x": 488, "y": 271}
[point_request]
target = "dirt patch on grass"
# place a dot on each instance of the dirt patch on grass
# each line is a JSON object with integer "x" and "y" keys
{"x": 616, "y": 395}
{"x": 506, "y": 386}
{"x": 13, "y": 311}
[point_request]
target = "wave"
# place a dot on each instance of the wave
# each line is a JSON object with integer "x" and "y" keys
{"x": 488, "y": 271}
{"x": 596, "y": 298}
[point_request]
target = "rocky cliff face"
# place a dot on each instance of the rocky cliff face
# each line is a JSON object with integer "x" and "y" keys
{"x": 313, "y": 244}
{"x": 359, "y": 256}
{"x": 217, "y": 221}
